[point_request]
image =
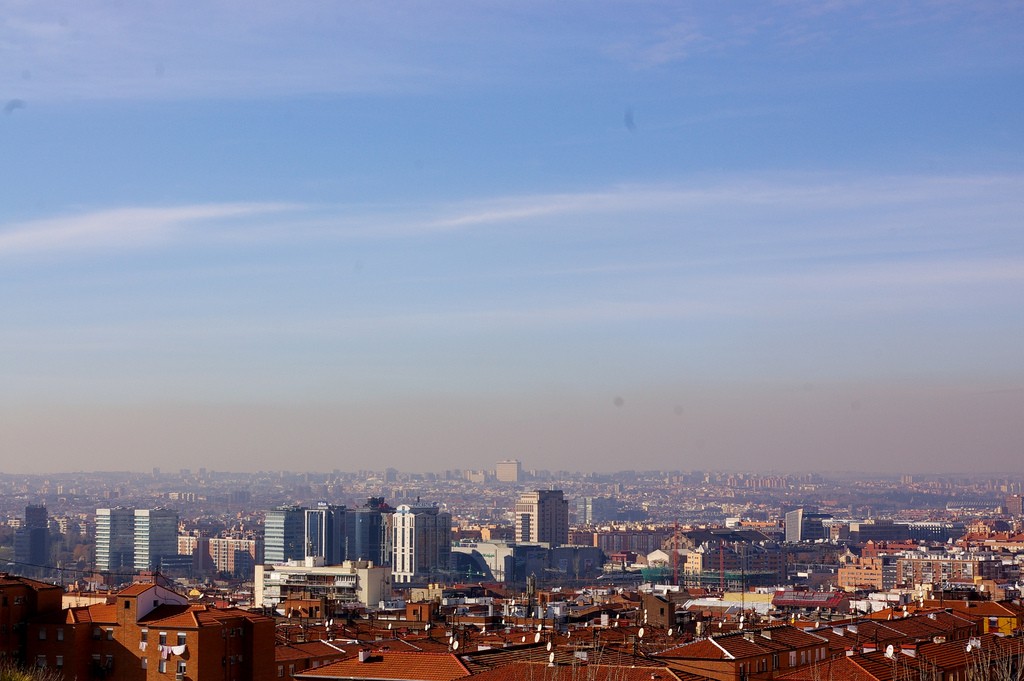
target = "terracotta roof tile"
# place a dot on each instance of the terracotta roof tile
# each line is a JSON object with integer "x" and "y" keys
{"x": 393, "y": 666}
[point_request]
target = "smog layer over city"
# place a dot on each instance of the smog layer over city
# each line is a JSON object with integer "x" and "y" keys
{"x": 511, "y": 340}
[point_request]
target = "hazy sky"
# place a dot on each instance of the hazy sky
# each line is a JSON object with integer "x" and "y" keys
{"x": 588, "y": 235}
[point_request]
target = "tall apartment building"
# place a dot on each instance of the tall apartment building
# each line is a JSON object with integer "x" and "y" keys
{"x": 542, "y": 516}
{"x": 509, "y": 470}
{"x": 324, "y": 533}
{"x": 115, "y": 539}
{"x": 284, "y": 534}
{"x": 422, "y": 544}
{"x": 155, "y": 537}
{"x": 221, "y": 555}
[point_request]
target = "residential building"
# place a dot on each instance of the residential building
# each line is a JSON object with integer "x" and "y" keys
{"x": 21, "y": 601}
{"x": 150, "y": 633}
{"x": 510, "y": 470}
{"x": 914, "y": 569}
{"x": 542, "y": 516}
{"x": 328, "y": 589}
{"x": 155, "y": 537}
{"x": 421, "y": 539}
{"x": 232, "y": 556}
{"x": 115, "y": 539}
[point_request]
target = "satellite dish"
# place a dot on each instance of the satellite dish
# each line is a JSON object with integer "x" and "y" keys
{"x": 969, "y": 647}
{"x": 890, "y": 651}
{"x": 427, "y": 628}
{"x": 551, "y": 658}
{"x": 455, "y": 645}
{"x": 549, "y": 646}
{"x": 536, "y": 637}
{"x": 524, "y": 639}
{"x": 670, "y": 632}
{"x": 450, "y": 639}
{"x": 742, "y": 618}
{"x": 539, "y": 627}
{"x": 330, "y": 622}
{"x": 640, "y": 634}
{"x": 389, "y": 626}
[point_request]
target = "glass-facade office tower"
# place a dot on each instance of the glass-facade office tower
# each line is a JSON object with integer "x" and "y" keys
{"x": 324, "y": 533}
{"x": 367, "y": 532}
{"x": 283, "y": 534}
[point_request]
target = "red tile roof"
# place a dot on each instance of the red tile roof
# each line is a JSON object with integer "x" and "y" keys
{"x": 533, "y": 671}
{"x": 393, "y": 666}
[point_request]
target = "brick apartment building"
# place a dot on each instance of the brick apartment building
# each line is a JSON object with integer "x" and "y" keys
{"x": 21, "y": 600}
{"x": 150, "y": 633}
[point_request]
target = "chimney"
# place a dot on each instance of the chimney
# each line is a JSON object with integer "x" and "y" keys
{"x": 364, "y": 655}
{"x": 766, "y": 633}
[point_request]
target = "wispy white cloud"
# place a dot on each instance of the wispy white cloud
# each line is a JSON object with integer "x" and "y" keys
{"x": 116, "y": 229}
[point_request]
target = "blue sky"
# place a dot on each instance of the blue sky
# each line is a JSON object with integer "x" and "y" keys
{"x": 587, "y": 235}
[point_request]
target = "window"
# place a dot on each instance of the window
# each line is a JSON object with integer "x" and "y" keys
{"x": 59, "y": 661}
{"x": 145, "y": 635}
{"x": 42, "y": 633}
{"x": 127, "y": 604}
{"x": 40, "y": 661}
{"x": 775, "y": 661}
{"x": 163, "y": 667}
{"x": 280, "y": 671}
{"x": 181, "y": 638}
{"x": 181, "y": 667}
{"x": 163, "y": 638}
{"x": 60, "y": 633}
{"x": 145, "y": 663}
{"x": 110, "y": 634}
{"x": 97, "y": 633}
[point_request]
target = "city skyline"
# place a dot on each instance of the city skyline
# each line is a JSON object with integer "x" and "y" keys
{"x": 645, "y": 237}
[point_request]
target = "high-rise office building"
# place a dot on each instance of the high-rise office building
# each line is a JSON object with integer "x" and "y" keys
{"x": 115, "y": 539}
{"x": 1014, "y": 504}
{"x": 422, "y": 543}
{"x": 804, "y": 525}
{"x": 595, "y": 509}
{"x": 324, "y": 533}
{"x": 542, "y": 516}
{"x": 509, "y": 470}
{"x": 367, "y": 532}
{"x": 32, "y": 541}
{"x": 284, "y": 534}
{"x": 156, "y": 537}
